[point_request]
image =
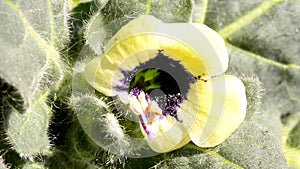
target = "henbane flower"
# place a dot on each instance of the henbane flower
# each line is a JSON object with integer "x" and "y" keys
{"x": 171, "y": 76}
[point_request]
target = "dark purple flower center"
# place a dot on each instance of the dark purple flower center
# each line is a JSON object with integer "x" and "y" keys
{"x": 162, "y": 81}
{"x": 173, "y": 77}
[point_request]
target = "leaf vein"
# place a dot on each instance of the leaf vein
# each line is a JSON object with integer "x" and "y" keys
{"x": 261, "y": 58}
{"x": 248, "y": 18}
{"x": 203, "y": 12}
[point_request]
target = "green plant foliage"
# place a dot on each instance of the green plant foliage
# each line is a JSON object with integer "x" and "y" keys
{"x": 31, "y": 33}
{"x": 50, "y": 117}
{"x": 254, "y": 92}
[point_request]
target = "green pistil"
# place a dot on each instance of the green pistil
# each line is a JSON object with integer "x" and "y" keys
{"x": 146, "y": 80}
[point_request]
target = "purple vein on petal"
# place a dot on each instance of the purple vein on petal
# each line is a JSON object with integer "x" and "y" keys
{"x": 149, "y": 134}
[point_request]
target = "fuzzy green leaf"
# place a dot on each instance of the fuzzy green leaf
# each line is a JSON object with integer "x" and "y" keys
{"x": 31, "y": 33}
{"x": 170, "y": 10}
{"x": 252, "y": 146}
{"x": 254, "y": 92}
{"x": 273, "y": 58}
{"x": 222, "y": 13}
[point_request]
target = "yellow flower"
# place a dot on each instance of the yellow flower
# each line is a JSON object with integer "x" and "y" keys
{"x": 171, "y": 76}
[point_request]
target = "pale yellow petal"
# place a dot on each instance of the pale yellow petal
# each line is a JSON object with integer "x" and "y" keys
{"x": 169, "y": 135}
{"x": 207, "y": 43}
{"x": 222, "y": 110}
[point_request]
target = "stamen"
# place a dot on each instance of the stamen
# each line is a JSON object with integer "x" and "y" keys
{"x": 148, "y": 111}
